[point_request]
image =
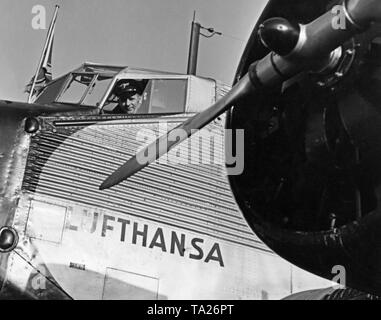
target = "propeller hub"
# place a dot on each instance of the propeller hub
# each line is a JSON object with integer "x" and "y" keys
{"x": 279, "y": 35}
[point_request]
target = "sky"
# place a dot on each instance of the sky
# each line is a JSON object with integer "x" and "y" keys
{"x": 152, "y": 34}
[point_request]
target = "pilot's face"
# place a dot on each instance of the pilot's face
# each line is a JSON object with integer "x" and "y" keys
{"x": 132, "y": 104}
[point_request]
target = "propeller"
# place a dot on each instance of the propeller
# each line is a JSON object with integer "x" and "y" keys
{"x": 294, "y": 48}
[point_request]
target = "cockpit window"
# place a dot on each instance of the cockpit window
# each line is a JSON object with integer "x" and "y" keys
{"x": 86, "y": 89}
{"x": 147, "y": 96}
{"x": 168, "y": 96}
{"x": 76, "y": 88}
{"x": 97, "y": 91}
{"x": 50, "y": 93}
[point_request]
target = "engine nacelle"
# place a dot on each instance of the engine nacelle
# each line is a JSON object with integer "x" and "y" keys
{"x": 311, "y": 187}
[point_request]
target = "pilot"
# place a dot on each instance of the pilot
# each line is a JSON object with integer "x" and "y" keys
{"x": 129, "y": 93}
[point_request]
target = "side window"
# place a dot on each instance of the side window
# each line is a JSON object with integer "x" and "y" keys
{"x": 168, "y": 96}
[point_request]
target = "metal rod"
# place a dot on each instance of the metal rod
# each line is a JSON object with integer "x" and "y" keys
{"x": 193, "y": 48}
{"x": 43, "y": 54}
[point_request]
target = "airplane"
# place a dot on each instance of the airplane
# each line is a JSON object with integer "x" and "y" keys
{"x": 177, "y": 224}
{"x": 71, "y": 229}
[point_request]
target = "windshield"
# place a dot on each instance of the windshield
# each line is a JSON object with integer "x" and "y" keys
{"x": 84, "y": 88}
{"x": 147, "y": 96}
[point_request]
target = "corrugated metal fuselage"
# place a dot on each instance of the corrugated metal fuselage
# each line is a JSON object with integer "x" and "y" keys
{"x": 173, "y": 231}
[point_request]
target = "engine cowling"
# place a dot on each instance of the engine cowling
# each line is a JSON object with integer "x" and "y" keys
{"x": 311, "y": 186}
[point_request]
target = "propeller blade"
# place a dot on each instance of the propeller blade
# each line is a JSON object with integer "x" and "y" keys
{"x": 171, "y": 139}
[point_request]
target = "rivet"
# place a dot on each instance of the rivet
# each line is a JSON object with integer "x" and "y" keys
{"x": 32, "y": 125}
{"x": 8, "y": 239}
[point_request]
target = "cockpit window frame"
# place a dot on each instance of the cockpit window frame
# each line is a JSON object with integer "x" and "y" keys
{"x": 95, "y": 77}
{"x": 113, "y": 78}
{"x": 48, "y": 86}
{"x": 107, "y": 94}
{"x": 69, "y": 80}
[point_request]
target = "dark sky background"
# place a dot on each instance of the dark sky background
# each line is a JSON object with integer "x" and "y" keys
{"x": 151, "y": 34}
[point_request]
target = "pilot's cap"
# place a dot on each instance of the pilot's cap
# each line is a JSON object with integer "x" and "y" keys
{"x": 128, "y": 88}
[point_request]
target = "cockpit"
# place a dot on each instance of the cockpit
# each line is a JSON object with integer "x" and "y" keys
{"x": 156, "y": 96}
{"x": 123, "y": 90}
